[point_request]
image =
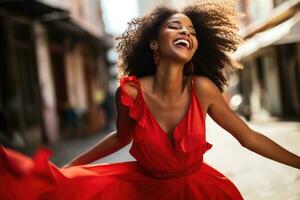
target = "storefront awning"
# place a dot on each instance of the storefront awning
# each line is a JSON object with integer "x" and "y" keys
{"x": 70, "y": 27}
{"x": 30, "y": 8}
{"x": 56, "y": 18}
{"x": 286, "y": 32}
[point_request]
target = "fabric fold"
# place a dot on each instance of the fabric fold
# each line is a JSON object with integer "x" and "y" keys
{"x": 136, "y": 109}
{"x": 191, "y": 142}
{"x": 18, "y": 164}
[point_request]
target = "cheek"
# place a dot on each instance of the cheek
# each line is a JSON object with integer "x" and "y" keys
{"x": 166, "y": 33}
{"x": 164, "y": 37}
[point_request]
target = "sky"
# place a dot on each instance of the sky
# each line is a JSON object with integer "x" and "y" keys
{"x": 117, "y": 13}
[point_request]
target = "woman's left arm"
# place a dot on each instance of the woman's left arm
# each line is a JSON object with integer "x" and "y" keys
{"x": 221, "y": 113}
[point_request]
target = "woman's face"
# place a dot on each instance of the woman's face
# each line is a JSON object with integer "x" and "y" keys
{"x": 177, "y": 39}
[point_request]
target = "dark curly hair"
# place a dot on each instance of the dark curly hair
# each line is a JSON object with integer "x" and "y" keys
{"x": 216, "y": 32}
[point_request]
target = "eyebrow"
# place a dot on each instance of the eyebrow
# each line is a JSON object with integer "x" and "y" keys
{"x": 178, "y": 22}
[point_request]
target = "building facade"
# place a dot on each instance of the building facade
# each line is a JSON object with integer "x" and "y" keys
{"x": 54, "y": 65}
{"x": 271, "y": 59}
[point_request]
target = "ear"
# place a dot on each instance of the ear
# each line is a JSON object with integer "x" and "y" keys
{"x": 153, "y": 44}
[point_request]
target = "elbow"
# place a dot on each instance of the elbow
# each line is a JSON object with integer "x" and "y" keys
{"x": 249, "y": 140}
{"x": 244, "y": 144}
{"x": 123, "y": 138}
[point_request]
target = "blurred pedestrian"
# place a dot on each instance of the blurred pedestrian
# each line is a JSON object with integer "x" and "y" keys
{"x": 171, "y": 63}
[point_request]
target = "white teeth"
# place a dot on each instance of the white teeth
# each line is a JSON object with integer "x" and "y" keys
{"x": 183, "y": 41}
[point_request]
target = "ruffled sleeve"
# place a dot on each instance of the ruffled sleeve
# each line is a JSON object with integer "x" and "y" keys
{"x": 136, "y": 108}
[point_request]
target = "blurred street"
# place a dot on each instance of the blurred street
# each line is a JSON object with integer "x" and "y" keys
{"x": 256, "y": 177}
{"x": 59, "y": 73}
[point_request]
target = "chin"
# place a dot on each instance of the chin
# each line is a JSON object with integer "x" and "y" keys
{"x": 182, "y": 55}
{"x": 183, "y": 58}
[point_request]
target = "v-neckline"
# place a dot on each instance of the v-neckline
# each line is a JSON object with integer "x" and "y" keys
{"x": 171, "y": 135}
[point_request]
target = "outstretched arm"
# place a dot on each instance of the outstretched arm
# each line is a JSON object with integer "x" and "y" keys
{"x": 248, "y": 138}
{"x": 112, "y": 142}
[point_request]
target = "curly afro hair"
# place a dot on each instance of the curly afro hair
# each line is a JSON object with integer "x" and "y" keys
{"x": 216, "y": 28}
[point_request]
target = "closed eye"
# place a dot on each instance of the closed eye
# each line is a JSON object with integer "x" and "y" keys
{"x": 173, "y": 27}
{"x": 176, "y": 28}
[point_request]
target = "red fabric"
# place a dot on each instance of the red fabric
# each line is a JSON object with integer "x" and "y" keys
{"x": 163, "y": 170}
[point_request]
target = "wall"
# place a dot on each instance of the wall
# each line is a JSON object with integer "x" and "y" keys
{"x": 46, "y": 84}
{"x": 75, "y": 78}
{"x": 85, "y": 12}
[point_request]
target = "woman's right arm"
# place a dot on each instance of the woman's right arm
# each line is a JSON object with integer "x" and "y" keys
{"x": 113, "y": 141}
{"x": 104, "y": 147}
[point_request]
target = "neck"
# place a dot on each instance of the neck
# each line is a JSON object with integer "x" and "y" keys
{"x": 169, "y": 80}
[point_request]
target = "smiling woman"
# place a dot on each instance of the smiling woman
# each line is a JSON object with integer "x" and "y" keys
{"x": 171, "y": 66}
{"x": 215, "y": 22}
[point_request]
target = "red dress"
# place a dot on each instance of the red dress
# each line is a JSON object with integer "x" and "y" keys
{"x": 163, "y": 169}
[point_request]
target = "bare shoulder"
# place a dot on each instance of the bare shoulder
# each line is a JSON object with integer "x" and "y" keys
{"x": 207, "y": 92}
{"x": 205, "y": 86}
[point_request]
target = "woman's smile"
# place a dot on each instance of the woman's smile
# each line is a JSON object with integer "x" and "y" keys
{"x": 177, "y": 38}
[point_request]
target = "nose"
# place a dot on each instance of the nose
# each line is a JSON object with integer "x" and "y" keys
{"x": 185, "y": 31}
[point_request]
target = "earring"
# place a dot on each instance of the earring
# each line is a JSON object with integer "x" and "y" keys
{"x": 156, "y": 56}
{"x": 154, "y": 47}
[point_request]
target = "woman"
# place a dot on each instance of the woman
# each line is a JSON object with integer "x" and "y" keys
{"x": 172, "y": 64}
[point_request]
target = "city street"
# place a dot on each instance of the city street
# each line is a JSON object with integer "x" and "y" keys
{"x": 62, "y": 62}
{"x": 256, "y": 177}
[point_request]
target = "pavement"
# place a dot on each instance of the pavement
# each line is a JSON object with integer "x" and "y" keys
{"x": 256, "y": 177}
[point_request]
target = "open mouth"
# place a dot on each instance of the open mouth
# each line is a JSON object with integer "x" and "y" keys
{"x": 182, "y": 43}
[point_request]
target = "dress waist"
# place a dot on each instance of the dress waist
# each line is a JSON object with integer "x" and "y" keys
{"x": 188, "y": 170}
